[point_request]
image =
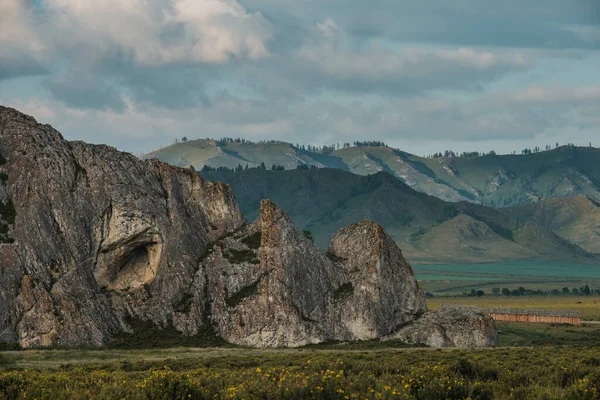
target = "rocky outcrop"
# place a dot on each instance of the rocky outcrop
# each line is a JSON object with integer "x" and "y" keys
{"x": 450, "y": 327}
{"x": 96, "y": 236}
{"x": 271, "y": 286}
{"x": 91, "y": 238}
{"x": 378, "y": 291}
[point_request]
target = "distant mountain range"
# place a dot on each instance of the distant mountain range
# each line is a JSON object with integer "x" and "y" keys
{"x": 493, "y": 180}
{"x": 427, "y": 229}
{"x": 576, "y": 219}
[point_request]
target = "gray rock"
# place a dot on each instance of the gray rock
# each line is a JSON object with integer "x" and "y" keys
{"x": 99, "y": 236}
{"x": 381, "y": 292}
{"x": 450, "y": 327}
{"x": 91, "y": 237}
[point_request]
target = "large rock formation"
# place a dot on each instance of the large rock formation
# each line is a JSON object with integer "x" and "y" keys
{"x": 270, "y": 286}
{"x": 91, "y": 237}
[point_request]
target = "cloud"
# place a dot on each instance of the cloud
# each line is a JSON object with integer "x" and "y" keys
{"x": 21, "y": 53}
{"x": 83, "y": 91}
{"x": 510, "y": 23}
{"x": 220, "y": 29}
{"x": 313, "y": 71}
{"x": 589, "y": 33}
{"x": 529, "y": 115}
{"x": 523, "y": 114}
{"x": 557, "y": 95}
{"x": 329, "y": 61}
{"x": 163, "y": 32}
{"x": 159, "y": 52}
{"x": 105, "y": 86}
{"x": 406, "y": 71}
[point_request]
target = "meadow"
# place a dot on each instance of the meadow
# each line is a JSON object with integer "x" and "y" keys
{"x": 334, "y": 373}
{"x": 588, "y": 305}
{"x": 452, "y": 280}
{"x": 542, "y": 269}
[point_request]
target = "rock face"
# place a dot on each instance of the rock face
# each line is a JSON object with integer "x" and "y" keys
{"x": 91, "y": 237}
{"x": 96, "y": 236}
{"x": 451, "y": 327}
{"x": 381, "y": 291}
{"x": 270, "y": 286}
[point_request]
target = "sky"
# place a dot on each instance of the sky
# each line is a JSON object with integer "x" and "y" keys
{"x": 422, "y": 76}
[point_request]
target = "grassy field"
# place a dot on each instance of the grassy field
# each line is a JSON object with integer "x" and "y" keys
{"x": 518, "y": 334}
{"x": 383, "y": 373}
{"x": 588, "y": 305}
{"x": 443, "y": 279}
{"x": 543, "y": 269}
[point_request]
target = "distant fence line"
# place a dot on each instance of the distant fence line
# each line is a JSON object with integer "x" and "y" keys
{"x": 572, "y": 317}
{"x": 525, "y": 311}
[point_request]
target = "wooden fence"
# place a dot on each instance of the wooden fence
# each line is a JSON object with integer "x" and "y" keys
{"x": 572, "y": 317}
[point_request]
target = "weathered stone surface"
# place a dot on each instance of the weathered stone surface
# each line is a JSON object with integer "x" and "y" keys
{"x": 99, "y": 236}
{"x": 270, "y": 286}
{"x": 379, "y": 291}
{"x": 91, "y": 237}
{"x": 451, "y": 327}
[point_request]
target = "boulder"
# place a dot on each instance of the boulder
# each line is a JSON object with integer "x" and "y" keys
{"x": 450, "y": 327}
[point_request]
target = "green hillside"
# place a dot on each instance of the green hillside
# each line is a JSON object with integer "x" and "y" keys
{"x": 427, "y": 229}
{"x": 576, "y": 219}
{"x": 498, "y": 181}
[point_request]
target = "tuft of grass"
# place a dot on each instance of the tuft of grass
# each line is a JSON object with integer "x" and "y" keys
{"x": 343, "y": 291}
{"x": 253, "y": 241}
{"x": 7, "y": 218}
{"x": 146, "y": 335}
{"x": 239, "y": 256}
{"x": 245, "y": 292}
{"x": 185, "y": 305}
{"x": 334, "y": 258}
{"x": 9, "y": 346}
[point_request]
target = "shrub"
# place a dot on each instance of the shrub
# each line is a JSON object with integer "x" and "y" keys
{"x": 308, "y": 234}
{"x": 243, "y": 293}
{"x": 7, "y": 212}
{"x": 239, "y": 256}
{"x": 343, "y": 291}
{"x": 253, "y": 241}
{"x": 334, "y": 372}
{"x": 147, "y": 335}
{"x": 334, "y": 258}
